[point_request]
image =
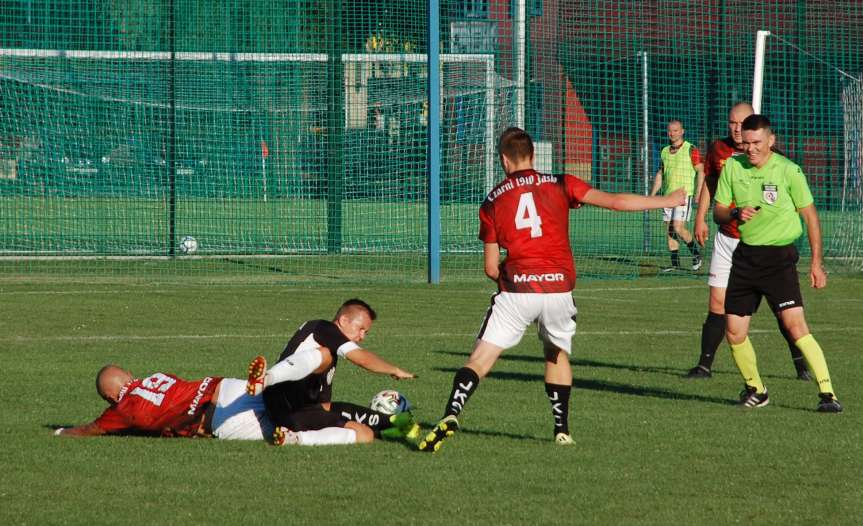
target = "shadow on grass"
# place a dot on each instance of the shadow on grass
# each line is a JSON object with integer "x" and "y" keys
{"x": 608, "y": 387}
{"x": 580, "y": 362}
{"x": 129, "y": 433}
{"x": 489, "y": 433}
{"x": 272, "y": 268}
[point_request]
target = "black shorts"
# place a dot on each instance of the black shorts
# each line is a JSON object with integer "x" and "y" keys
{"x": 314, "y": 417}
{"x": 763, "y": 271}
{"x": 295, "y": 405}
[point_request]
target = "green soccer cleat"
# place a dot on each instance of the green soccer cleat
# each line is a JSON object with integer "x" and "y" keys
{"x": 403, "y": 427}
{"x": 444, "y": 429}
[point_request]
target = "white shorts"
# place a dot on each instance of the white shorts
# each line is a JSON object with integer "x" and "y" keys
{"x": 512, "y": 312}
{"x": 678, "y": 213}
{"x": 239, "y": 416}
{"x": 720, "y": 261}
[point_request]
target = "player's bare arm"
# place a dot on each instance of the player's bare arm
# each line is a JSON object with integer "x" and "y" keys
{"x": 657, "y": 182}
{"x": 633, "y": 202}
{"x": 491, "y": 257}
{"x": 817, "y": 275}
{"x": 699, "y": 181}
{"x": 702, "y": 231}
{"x": 374, "y": 363}
{"x": 87, "y": 430}
{"x": 723, "y": 214}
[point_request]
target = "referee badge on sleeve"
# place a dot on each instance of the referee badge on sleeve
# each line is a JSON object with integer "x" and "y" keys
{"x": 769, "y": 193}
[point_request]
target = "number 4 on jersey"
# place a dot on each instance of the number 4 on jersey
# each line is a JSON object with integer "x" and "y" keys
{"x": 526, "y": 216}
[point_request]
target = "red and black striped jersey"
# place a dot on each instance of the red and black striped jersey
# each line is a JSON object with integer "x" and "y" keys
{"x": 160, "y": 404}
{"x": 527, "y": 214}
{"x": 720, "y": 151}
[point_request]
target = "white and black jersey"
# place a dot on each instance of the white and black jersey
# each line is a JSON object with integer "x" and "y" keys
{"x": 287, "y": 397}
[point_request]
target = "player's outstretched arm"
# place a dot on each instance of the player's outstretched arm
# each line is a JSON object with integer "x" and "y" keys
{"x": 87, "y": 430}
{"x": 633, "y": 202}
{"x": 817, "y": 276}
{"x": 374, "y": 363}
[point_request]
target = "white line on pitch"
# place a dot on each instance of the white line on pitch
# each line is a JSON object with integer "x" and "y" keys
{"x": 120, "y": 337}
{"x": 636, "y": 289}
{"x": 274, "y": 289}
{"x": 214, "y": 289}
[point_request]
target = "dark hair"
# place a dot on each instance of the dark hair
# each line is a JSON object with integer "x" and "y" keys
{"x": 516, "y": 144}
{"x": 756, "y": 122}
{"x": 356, "y": 303}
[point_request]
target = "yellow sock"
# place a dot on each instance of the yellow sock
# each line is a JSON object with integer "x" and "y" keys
{"x": 816, "y": 362}
{"x": 744, "y": 356}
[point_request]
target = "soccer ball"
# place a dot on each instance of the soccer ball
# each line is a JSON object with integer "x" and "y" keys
{"x": 188, "y": 245}
{"x": 390, "y": 402}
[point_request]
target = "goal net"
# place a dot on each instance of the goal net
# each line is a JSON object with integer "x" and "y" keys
{"x": 292, "y": 143}
{"x": 123, "y": 154}
{"x": 849, "y": 238}
{"x": 815, "y": 101}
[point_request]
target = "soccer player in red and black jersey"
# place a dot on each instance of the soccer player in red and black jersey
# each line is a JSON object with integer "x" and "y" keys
{"x": 161, "y": 404}
{"x": 713, "y": 329}
{"x": 527, "y": 214}
{"x": 166, "y": 405}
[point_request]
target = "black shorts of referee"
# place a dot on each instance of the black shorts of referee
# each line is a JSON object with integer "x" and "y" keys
{"x": 763, "y": 271}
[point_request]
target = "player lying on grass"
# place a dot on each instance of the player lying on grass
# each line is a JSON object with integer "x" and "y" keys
{"x": 527, "y": 214}
{"x": 297, "y": 391}
{"x": 166, "y": 405}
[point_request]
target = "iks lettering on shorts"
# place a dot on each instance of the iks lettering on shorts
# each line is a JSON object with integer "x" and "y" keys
{"x": 459, "y": 397}
{"x": 370, "y": 418}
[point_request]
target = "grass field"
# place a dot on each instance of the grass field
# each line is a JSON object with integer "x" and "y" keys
{"x": 652, "y": 448}
{"x": 123, "y": 226}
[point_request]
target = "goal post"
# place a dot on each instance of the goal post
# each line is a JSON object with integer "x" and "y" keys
{"x": 758, "y": 74}
{"x": 485, "y": 60}
{"x": 251, "y": 135}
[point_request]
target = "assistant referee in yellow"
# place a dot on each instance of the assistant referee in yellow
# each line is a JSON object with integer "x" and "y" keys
{"x": 769, "y": 191}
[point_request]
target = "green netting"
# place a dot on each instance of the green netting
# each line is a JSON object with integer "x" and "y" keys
{"x": 291, "y": 137}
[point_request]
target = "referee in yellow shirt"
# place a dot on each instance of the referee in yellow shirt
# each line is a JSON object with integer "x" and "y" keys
{"x": 769, "y": 191}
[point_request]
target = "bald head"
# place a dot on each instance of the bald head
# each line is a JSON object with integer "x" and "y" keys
{"x": 675, "y": 132}
{"x": 110, "y": 381}
{"x": 736, "y": 116}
